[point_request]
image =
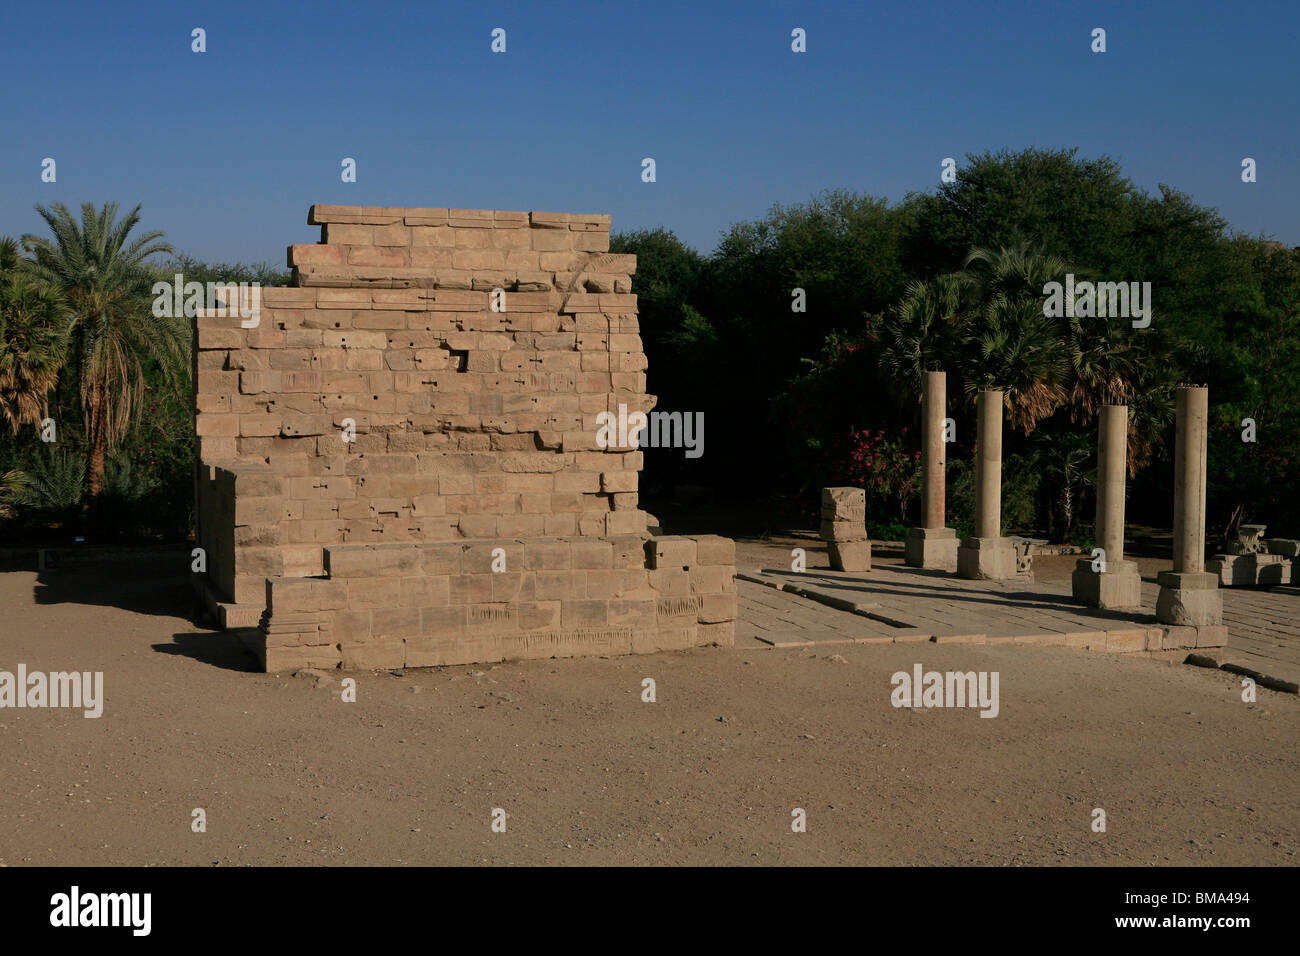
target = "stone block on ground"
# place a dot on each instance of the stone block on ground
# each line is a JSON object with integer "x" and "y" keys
{"x": 844, "y": 504}
{"x": 849, "y": 556}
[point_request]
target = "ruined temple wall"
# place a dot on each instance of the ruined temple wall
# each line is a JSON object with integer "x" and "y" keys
{"x": 399, "y": 468}
{"x": 469, "y": 423}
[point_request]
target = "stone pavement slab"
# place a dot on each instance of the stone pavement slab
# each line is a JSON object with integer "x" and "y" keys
{"x": 1263, "y": 625}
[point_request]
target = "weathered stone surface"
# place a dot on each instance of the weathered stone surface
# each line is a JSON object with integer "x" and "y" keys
{"x": 1287, "y": 547}
{"x": 1189, "y": 598}
{"x": 934, "y": 548}
{"x": 844, "y": 504}
{"x": 849, "y": 556}
{"x": 1118, "y": 587}
{"x": 1249, "y": 569}
{"x": 836, "y": 530}
{"x": 986, "y": 559}
{"x": 400, "y": 464}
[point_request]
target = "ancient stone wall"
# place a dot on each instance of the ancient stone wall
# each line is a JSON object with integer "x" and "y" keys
{"x": 392, "y": 420}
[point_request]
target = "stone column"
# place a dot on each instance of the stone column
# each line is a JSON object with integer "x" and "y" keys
{"x": 934, "y": 458}
{"x": 932, "y": 545}
{"x": 1107, "y": 580}
{"x": 1189, "y": 595}
{"x": 988, "y": 466}
{"x": 988, "y": 554}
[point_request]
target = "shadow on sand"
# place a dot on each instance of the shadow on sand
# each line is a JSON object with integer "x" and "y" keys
{"x": 216, "y": 648}
{"x": 153, "y": 583}
{"x": 147, "y": 583}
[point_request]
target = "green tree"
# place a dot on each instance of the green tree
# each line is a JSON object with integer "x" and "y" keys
{"x": 1009, "y": 343}
{"x": 1083, "y": 210}
{"x": 1257, "y": 364}
{"x": 667, "y": 275}
{"x": 922, "y": 333}
{"x": 106, "y": 279}
{"x": 842, "y": 250}
{"x": 195, "y": 270}
{"x": 986, "y": 324}
{"x": 33, "y": 341}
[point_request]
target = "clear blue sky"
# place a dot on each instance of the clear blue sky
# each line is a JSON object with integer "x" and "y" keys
{"x": 227, "y": 149}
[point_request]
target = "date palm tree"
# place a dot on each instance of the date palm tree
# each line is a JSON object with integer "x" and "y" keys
{"x": 106, "y": 281}
{"x": 33, "y": 345}
{"x": 13, "y": 484}
{"x": 34, "y": 323}
{"x": 9, "y": 257}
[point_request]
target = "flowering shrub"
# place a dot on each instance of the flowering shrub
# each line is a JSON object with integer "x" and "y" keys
{"x": 887, "y": 468}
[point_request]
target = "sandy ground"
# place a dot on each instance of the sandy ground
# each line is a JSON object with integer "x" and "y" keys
{"x": 587, "y": 773}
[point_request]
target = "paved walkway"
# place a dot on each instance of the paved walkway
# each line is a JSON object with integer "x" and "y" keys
{"x": 894, "y": 602}
{"x": 1263, "y": 630}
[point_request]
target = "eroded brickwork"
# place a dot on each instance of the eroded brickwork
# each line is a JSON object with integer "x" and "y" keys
{"x": 365, "y": 448}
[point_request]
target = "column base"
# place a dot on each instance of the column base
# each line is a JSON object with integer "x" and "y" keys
{"x": 849, "y": 555}
{"x": 1118, "y": 587}
{"x": 1189, "y": 598}
{"x": 987, "y": 559}
{"x": 931, "y": 548}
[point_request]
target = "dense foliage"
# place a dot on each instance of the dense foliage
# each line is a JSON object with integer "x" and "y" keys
{"x": 85, "y": 363}
{"x": 794, "y": 399}
{"x": 953, "y": 280}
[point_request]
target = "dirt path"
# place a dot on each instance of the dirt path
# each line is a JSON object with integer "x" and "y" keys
{"x": 587, "y": 773}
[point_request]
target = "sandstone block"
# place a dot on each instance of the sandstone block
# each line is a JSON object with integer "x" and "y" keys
{"x": 715, "y": 608}
{"x": 850, "y": 556}
{"x": 374, "y": 654}
{"x": 712, "y": 549}
{"x": 986, "y": 558}
{"x": 836, "y": 530}
{"x": 848, "y": 502}
{"x": 670, "y": 552}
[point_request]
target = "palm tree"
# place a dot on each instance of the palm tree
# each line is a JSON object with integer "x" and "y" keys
{"x": 55, "y": 481}
{"x": 986, "y": 323}
{"x": 106, "y": 281}
{"x": 33, "y": 341}
{"x": 9, "y": 257}
{"x": 12, "y": 485}
{"x": 920, "y": 334}
{"x": 1011, "y": 345}
{"x": 1017, "y": 271}
{"x": 1068, "y": 467}
{"x": 1112, "y": 365}
{"x": 34, "y": 324}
